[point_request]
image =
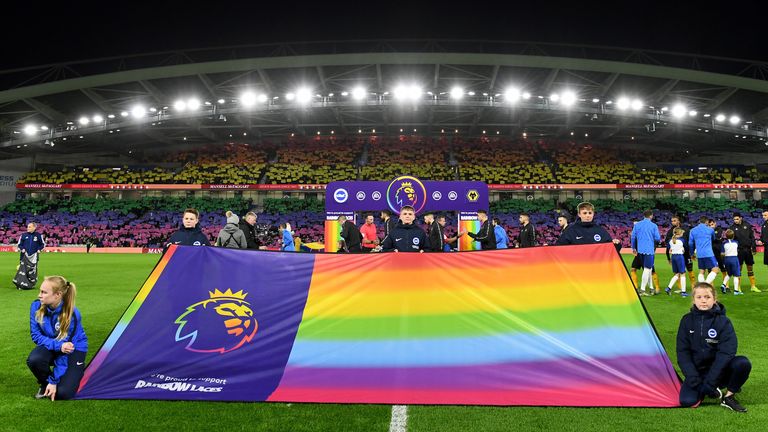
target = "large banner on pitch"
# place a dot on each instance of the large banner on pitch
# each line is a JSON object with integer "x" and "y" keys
{"x": 542, "y": 326}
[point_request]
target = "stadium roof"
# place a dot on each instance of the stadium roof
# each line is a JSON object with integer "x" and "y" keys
{"x": 620, "y": 95}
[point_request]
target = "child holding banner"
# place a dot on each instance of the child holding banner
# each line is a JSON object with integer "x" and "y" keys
{"x": 56, "y": 327}
{"x": 706, "y": 352}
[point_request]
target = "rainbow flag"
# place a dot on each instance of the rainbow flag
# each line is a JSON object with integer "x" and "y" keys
{"x": 469, "y": 329}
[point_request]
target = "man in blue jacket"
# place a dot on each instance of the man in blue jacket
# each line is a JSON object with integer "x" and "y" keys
{"x": 406, "y": 237}
{"x": 700, "y": 244}
{"x": 645, "y": 236}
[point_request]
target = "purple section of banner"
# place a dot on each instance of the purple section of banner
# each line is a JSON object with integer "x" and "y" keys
{"x": 424, "y": 196}
{"x": 217, "y": 325}
{"x": 565, "y": 373}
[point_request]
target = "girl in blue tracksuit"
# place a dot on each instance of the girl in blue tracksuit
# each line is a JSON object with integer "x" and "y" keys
{"x": 56, "y": 327}
{"x": 706, "y": 352}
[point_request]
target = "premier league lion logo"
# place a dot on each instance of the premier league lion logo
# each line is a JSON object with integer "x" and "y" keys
{"x": 406, "y": 190}
{"x": 222, "y": 323}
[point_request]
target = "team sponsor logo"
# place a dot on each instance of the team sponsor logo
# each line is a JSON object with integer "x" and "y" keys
{"x": 222, "y": 323}
{"x": 340, "y": 195}
{"x": 437, "y": 196}
{"x": 597, "y": 237}
{"x": 376, "y": 196}
{"x": 712, "y": 333}
{"x": 452, "y": 195}
{"x": 360, "y": 196}
{"x": 416, "y": 241}
{"x": 406, "y": 190}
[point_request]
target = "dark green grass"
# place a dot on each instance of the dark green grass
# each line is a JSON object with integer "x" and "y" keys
{"x": 107, "y": 283}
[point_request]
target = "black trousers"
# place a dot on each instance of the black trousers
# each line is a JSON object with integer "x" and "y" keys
{"x": 734, "y": 376}
{"x": 40, "y": 361}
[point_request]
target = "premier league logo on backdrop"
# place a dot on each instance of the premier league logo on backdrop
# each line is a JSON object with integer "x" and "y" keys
{"x": 406, "y": 190}
{"x": 222, "y": 323}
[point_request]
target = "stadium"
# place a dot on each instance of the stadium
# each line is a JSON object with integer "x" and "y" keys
{"x": 105, "y": 154}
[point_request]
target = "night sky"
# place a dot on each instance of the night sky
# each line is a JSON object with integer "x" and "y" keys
{"x": 48, "y": 33}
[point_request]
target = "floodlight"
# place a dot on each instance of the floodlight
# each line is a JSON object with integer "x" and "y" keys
{"x": 193, "y": 104}
{"x": 303, "y": 95}
{"x": 248, "y": 99}
{"x": 511, "y": 95}
{"x": 30, "y": 129}
{"x": 83, "y": 121}
{"x": 636, "y": 105}
{"x": 734, "y": 120}
{"x": 623, "y": 103}
{"x": 138, "y": 111}
{"x": 679, "y": 110}
{"x": 98, "y": 118}
{"x": 358, "y": 93}
{"x": 457, "y": 93}
{"x": 569, "y": 98}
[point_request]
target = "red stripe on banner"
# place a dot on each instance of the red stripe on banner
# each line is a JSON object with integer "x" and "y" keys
{"x": 594, "y": 396}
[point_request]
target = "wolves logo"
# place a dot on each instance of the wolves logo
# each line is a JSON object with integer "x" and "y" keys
{"x": 222, "y": 323}
{"x": 409, "y": 191}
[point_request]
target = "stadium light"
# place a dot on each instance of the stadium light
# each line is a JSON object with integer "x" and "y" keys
{"x": 734, "y": 120}
{"x": 43, "y": 128}
{"x": 248, "y": 99}
{"x": 568, "y": 98}
{"x": 111, "y": 116}
{"x": 84, "y": 121}
{"x": 511, "y": 95}
{"x": 623, "y": 103}
{"x": 457, "y": 93}
{"x": 692, "y": 113}
{"x": 220, "y": 101}
{"x": 98, "y": 118}
{"x": 124, "y": 114}
{"x": 720, "y": 118}
{"x": 30, "y": 129}
{"x": 303, "y": 95}
{"x": 636, "y": 105}
{"x": 138, "y": 111}
{"x": 595, "y": 100}
{"x": 679, "y": 110}
{"x": 180, "y": 105}
{"x": 290, "y": 97}
{"x": 554, "y": 97}
{"x": 262, "y": 98}
{"x": 408, "y": 93}
{"x": 193, "y": 104}
{"x": 526, "y": 95}
{"x": 358, "y": 93}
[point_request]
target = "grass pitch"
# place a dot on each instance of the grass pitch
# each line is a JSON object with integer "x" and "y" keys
{"x": 107, "y": 283}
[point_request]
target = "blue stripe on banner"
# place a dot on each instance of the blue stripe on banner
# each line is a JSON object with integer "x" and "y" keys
{"x": 605, "y": 342}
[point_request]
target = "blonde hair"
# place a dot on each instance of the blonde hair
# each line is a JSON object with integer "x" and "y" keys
{"x": 68, "y": 292}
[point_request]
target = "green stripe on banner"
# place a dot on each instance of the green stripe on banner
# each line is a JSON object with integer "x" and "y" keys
{"x": 469, "y": 324}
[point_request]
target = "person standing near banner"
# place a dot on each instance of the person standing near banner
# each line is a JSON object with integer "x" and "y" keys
{"x": 368, "y": 232}
{"x": 448, "y": 241}
{"x": 486, "y": 236}
{"x": 700, "y": 245}
{"x": 351, "y": 234}
{"x": 706, "y": 352}
{"x": 389, "y": 223}
{"x": 585, "y": 231}
{"x": 434, "y": 233}
{"x": 190, "y": 234}
{"x": 406, "y": 237}
{"x": 56, "y": 327}
{"x": 502, "y": 239}
{"x": 527, "y": 236}
{"x": 644, "y": 238}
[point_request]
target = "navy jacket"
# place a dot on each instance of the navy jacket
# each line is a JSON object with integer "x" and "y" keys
{"x": 31, "y": 243}
{"x": 188, "y": 237}
{"x": 706, "y": 343}
{"x": 45, "y": 335}
{"x": 584, "y": 233}
{"x": 406, "y": 238}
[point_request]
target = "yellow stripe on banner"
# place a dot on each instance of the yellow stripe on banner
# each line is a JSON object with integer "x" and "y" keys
{"x": 464, "y": 293}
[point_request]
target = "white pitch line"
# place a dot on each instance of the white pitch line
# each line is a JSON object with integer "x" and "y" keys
{"x": 399, "y": 422}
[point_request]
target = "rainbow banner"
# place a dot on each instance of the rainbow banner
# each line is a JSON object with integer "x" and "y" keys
{"x": 433, "y": 328}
